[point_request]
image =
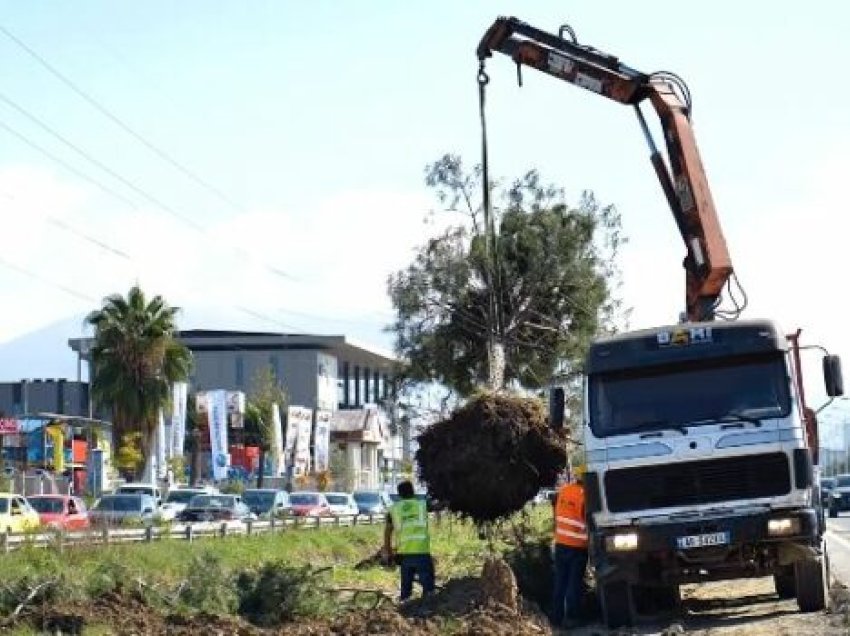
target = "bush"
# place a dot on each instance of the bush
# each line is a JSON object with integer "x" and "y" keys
{"x": 278, "y": 593}
{"x": 208, "y": 587}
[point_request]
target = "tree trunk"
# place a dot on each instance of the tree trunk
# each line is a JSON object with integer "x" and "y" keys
{"x": 149, "y": 452}
{"x": 496, "y": 364}
{"x": 261, "y": 469}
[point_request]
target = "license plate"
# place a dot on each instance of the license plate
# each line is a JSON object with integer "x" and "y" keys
{"x": 702, "y": 540}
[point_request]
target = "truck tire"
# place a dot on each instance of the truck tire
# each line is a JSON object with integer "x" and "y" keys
{"x": 811, "y": 582}
{"x": 615, "y": 599}
{"x": 785, "y": 582}
{"x": 833, "y": 512}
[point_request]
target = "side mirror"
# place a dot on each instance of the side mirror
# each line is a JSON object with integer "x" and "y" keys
{"x": 832, "y": 376}
{"x": 557, "y": 407}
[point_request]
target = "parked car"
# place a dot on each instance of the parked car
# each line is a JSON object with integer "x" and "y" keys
{"x": 309, "y": 504}
{"x": 178, "y": 499}
{"x": 265, "y": 502}
{"x": 826, "y": 485}
{"x": 342, "y": 504}
{"x": 372, "y": 502}
{"x": 16, "y": 515}
{"x": 123, "y": 508}
{"x": 140, "y": 488}
{"x": 216, "y": 508}
{"x": 60, "y": 512}
{"x": 839, "y": 495}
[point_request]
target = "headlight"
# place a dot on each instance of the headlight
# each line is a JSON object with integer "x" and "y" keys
{"x": 623, "y": 542}
{"x": 783, "y": 527}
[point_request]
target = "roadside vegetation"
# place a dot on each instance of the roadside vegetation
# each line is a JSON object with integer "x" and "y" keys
{"x": 263, "y": 581}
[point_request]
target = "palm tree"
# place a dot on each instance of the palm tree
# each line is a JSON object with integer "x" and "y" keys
{"x": 135, "y": 361}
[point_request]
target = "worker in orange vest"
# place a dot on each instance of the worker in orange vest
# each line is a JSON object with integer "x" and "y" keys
{"x": 570, "y": 551}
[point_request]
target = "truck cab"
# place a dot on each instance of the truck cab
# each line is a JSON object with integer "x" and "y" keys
{"x": 700, "y": 464}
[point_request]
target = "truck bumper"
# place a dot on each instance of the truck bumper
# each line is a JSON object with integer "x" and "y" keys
{"x": 750, "y": 548}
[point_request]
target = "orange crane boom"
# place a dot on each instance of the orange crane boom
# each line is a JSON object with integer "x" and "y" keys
{"x": 707, "y": 265}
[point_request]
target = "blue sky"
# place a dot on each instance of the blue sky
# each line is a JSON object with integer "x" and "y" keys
{"x": 317, "y": 119}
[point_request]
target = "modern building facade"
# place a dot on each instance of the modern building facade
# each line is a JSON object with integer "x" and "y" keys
{"x": 318, "y": 372}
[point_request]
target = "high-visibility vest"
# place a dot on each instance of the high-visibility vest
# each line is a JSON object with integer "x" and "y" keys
{"x": 570, "y": 526}
{"x": 410, "y": 523}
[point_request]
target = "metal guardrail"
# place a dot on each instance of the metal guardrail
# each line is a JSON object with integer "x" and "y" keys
{"x": 178, "y": 531}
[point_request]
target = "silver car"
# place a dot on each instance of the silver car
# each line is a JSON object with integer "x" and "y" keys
{"x": 123, "y": 509}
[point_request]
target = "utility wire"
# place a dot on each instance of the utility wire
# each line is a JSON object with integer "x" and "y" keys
{"x": 82, "y": 175}
{"x": 119, "y": 122}
{"x": 46, "y": 281}
{"x": 138, "y": 190}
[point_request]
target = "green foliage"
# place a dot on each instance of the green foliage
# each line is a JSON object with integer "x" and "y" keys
{"x": 266, "y": 391}
{"x": 552, "y": 281}
{"x": 129, "y": 456}
{"x": 110, "y": 576}
{"x": 278, "y": 593}
{"x": 232, "y": 487}
{"x": 209, "y": 587}
{"x": 136, "y": 359}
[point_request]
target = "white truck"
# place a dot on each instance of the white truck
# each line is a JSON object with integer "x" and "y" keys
{"x": 700, "y": 465}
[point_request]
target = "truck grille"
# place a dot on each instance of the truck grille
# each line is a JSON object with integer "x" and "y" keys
{"x": 701, "y": 482}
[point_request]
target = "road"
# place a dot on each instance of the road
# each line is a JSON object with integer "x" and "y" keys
{"x": 838, "y": 545}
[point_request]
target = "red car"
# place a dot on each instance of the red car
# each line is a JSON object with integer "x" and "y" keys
{"x": 309, "y": 504}
{"x": 60, "y": 511}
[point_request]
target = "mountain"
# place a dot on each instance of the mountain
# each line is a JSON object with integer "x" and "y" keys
{"x": 44, "y": 353}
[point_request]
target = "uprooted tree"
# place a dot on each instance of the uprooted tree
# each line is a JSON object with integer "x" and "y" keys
{"x": 508, "y": 302}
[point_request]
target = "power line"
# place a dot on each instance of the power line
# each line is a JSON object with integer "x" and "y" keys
{"x": 143, "y": 193}
{"x": 119, "y": 122}
{"x": 46, "y": 281}
{"x": 82, "y": 175}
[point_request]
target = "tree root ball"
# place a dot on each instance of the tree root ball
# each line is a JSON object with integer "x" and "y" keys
{"x": 491, "y": 456}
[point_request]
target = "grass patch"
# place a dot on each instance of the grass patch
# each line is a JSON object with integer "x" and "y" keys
{"x": 268, "y": 578}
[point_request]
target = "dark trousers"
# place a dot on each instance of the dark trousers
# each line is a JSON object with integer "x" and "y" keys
{"x": 570, "y": 564}
{"x": 416, "y": 565}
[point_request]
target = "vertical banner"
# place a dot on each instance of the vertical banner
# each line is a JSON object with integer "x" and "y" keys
{"x": 217, "y": 414}
{"x": 160, "y": 446}
{"x": 299, "y": 425}
{"x": 291, "y": 436}
{"x": 277, "y": 448}
{"x": 179, "y": 396}
{"x": 322, "y": 441}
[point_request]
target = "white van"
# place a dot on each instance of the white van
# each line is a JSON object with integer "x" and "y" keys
{"x": 140, "y": 488}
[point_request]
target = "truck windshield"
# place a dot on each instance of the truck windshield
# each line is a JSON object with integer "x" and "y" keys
{"x": 688, "y": 393}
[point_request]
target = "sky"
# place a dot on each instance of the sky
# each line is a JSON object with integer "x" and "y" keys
{"x": 264, "y": 161}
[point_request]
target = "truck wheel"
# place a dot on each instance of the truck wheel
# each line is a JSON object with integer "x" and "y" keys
{"x": 812, "y": 587}
{"x": 784, "y": 580}
{"x": 616, "y": 604}
{"x": 833, "y": 512}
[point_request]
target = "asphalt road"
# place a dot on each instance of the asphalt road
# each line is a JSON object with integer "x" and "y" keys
{"x": 838, "y": 546}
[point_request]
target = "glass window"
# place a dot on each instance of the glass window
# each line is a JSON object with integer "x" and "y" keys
{"x": 376, "y": 389}
{"x": 240, "y": 371}
{"x": 691, "y": 392}
{"x": 358, "y": 395}
{"x": 274, "y": 364}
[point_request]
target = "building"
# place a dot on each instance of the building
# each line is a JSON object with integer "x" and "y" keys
{"x": 325, "y": 372}
{"x": 318, "y": 372}
{"x": 66, "y": 397}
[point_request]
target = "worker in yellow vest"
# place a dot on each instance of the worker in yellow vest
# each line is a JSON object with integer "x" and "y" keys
{"x": 570, "y": 551}
{"x": 408, "y": 521}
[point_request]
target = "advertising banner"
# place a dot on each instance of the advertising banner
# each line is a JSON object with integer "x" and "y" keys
{"x": 300, "y": 425}
{"x": 9, "y": 426}
{"x": 179, "y": 395}
{"x": 322, "y": 442}
{"x": 291, "y": 435}
{"x": 217, "y": 414}
{"x": 277, "y": 449}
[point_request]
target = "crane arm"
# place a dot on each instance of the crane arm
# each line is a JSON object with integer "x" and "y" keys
{"x": 707, "y": 265}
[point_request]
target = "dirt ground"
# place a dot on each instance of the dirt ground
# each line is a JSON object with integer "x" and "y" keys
{"x": 736, "y": 608}
{"x": 747, "y": 607}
